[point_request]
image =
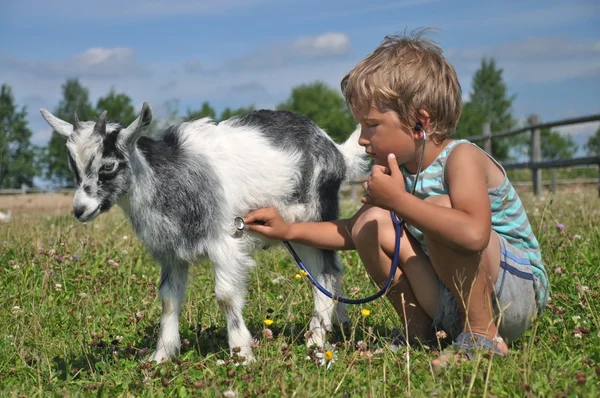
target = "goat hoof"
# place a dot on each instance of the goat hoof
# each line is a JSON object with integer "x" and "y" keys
{"x": 317, "y": 338}
{"x": 159, "y": 357}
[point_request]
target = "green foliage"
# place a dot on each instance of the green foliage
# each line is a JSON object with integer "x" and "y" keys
{"x": 229, "y": 113}
{"x": 489, "y": 101}
{"x": 325, "y": 106}
{"x": 593, "y": 144}
{"x": 18, "y": 162}
{"x": 205, "y": 111}
{"x": 75, "y": 98}
{"x": 79, "y": 315}
{"x": 118, "y": 106}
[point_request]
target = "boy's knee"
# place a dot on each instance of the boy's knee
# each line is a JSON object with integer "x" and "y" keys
{"x": 439, "y": 200}
{"x": 369, "y": 222}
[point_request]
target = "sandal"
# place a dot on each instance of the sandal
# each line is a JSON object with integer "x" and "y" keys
{"x": 466, "y": 345}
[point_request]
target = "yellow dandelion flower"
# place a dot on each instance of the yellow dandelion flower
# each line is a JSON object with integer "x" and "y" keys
{"x": 328, "y": 355}
{"x": 365, "y": 312}
{"x": 297, "y": 276}
{"x": 304, "y": 273}
{"x": 268, "y": 322}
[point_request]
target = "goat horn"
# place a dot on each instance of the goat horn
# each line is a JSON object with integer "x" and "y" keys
{"x": 100, "y": 127}
{"x": 76, "y": 121}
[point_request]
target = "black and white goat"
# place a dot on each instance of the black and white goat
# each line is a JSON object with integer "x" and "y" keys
{"x": 182, "y": 192}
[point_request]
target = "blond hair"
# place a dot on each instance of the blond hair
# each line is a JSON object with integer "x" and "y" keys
{"x": 406, "y": 74}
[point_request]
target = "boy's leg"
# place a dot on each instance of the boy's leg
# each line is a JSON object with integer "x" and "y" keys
{"x": 471, "y": 278}
{"x": 374, "y": 238}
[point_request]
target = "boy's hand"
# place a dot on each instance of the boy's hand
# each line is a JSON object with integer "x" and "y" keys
{"x": 385, "y": 185}
{"x": 267, "y": 222}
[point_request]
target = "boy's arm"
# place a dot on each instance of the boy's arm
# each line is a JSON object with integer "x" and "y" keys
{"x": 465, "y": 226}
{"x": 329, "y": 235}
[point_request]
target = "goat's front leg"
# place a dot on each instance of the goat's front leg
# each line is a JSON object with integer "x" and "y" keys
{"x": 172, "y": 292}
{"x": 231, "y": 275}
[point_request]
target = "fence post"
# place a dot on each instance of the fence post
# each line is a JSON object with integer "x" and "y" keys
{"x": 536, "y": 156}
{"x": 553, "y": 186}
{"x": 487, "y": 133}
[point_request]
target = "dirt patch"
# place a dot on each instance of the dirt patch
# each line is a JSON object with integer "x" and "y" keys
{"x": 43, "y": 203}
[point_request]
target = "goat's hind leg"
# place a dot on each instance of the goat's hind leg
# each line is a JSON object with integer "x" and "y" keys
{"x": 172, "y": 292}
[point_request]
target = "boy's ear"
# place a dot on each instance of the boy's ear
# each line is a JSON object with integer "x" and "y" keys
{"x": 423, "y": 121}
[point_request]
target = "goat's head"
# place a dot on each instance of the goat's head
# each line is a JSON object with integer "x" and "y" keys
{"x": 99, "y": 157}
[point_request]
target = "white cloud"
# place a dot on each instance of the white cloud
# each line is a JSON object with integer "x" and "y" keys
{"x": 535, "y": 59}
{"x": 93, "y": 62}
{"x": 327, "y": 45}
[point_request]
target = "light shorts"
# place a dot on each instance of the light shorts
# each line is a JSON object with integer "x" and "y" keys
{"x": 514, "y": 297}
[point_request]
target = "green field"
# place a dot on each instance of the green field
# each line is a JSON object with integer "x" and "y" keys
{"x": 79, "y": 315}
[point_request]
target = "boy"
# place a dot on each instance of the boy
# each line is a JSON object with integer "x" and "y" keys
{"x": 469, "y": 262}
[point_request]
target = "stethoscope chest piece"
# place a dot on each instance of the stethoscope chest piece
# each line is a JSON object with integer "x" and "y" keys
{"x": 239, "y": 225}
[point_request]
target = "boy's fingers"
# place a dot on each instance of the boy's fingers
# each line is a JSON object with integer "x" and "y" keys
{"x": 393, "y": 164}
{"x": 260, "y": 214}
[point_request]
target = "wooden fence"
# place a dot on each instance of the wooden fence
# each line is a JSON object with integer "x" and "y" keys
{"x": 535, "y": 163}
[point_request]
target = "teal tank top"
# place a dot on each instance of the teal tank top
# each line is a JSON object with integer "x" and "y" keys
{"x": 509, "y": 219}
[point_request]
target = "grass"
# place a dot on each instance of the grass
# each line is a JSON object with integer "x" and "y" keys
{"x": 79, "y": 315}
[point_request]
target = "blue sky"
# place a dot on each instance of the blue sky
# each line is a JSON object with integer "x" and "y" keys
{"x": 241, "y": 52}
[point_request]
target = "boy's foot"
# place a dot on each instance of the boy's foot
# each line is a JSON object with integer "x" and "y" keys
{"x": 465, "y": 347}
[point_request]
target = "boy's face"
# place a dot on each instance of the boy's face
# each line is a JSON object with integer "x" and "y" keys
{"x": 383, "y": 133}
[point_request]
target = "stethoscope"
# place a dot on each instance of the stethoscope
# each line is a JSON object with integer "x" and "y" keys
{"x": 398, "y": 223}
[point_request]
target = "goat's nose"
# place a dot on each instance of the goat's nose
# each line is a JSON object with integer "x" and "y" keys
{"x": 78, "y": 211}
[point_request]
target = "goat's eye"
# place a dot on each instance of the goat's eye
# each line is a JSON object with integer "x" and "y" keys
{"x": 109, "y": 167}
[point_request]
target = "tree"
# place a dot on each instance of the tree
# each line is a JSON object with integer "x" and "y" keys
{"x": 118, "y": 106}
{"x": 325, "y": 106}
{"x": 489, "y": 102}
{"x": 18, "y": 163}
{"x": 75, "y": 98}
{"x": 229, "y": 113}
{"x": 205, "y": 111}
{"x": 593, "y": 144}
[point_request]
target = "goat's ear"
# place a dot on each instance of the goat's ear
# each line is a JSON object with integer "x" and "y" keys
{"x": 60, "y": 126}
{"x": 130, "y": 135}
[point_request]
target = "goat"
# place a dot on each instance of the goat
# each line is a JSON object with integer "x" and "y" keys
{"x": 181, "y": 193}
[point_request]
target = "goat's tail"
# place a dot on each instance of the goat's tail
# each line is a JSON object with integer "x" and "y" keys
{"x": 357, "y": 161}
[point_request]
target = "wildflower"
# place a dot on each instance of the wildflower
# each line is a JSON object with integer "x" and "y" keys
{"x": 268, "y": 334}
{"x": 365, "y": 312}
{"x": 17, "y": 310}
{"x": 297, "y": 276}
{"x": 441, "y": 334}
{"x": 125, "y": 237}
{"x": 560, "y": 227}
{"x": 58, "y": 287}
{"x": 112, "y": 262}
{"x": 328, "y": 357}
{"x": 268, "y": 322}
{"x": 303, "y": 273}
